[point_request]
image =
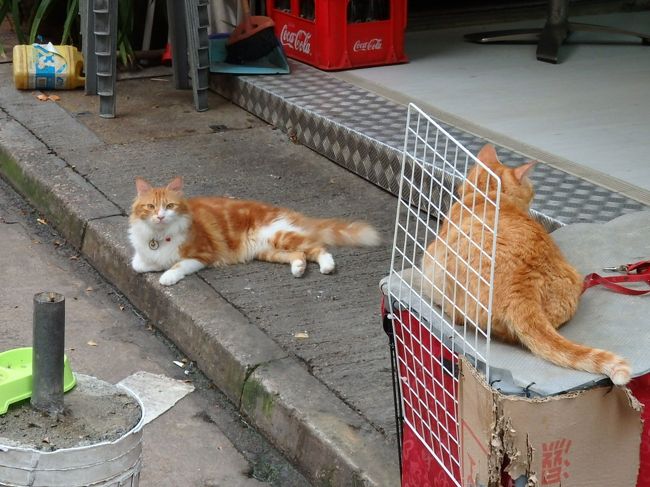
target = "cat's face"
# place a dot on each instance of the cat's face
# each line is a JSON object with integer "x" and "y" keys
{"x": 159, "y": 207}
{"x": 514, "y": 181}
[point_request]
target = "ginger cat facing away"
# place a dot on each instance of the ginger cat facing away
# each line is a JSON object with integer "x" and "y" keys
{"x": 535, "y": 289}
{"x": 181, "y": 235}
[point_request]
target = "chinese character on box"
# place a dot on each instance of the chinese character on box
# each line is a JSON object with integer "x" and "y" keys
{"x": 554, "y": 461}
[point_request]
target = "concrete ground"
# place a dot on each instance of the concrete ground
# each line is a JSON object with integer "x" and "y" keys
{"x": 201, "y": 441}
{"x": 305, "y": 360}
{"x": 588, "y": 113}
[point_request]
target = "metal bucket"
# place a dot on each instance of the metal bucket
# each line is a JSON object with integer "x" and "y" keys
{"x": 106, "y": 464}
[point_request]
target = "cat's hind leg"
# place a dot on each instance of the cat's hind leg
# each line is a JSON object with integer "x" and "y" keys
{"x": 322, "y": 257}
{"x": 312, "y": 249}
{"x": 296, "y": 258}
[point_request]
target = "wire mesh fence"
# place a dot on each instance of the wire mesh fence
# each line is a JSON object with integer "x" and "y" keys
{"x": 440, "y": 283}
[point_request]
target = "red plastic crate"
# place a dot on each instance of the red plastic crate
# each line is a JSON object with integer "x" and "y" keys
{"x": 330, "y": 42}
{"x": 437, "y": 387}
{"x": 419, "y": 467}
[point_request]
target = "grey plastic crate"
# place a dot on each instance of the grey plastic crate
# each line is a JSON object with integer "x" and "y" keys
{"x": 197, "y": 23}
{"x": 188, "y": 31}
{"x": 88, "y": 46}
{"x": 105, "y": 31}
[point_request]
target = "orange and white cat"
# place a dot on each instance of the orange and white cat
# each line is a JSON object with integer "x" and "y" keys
{"x": 535, "y": 289}
{"x": 181, "y": 235}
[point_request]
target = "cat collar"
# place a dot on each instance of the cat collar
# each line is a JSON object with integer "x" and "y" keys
{"x": 154, "y": 244}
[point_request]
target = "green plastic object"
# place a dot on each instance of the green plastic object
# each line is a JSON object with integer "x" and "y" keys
{"x": 16, "y": 376}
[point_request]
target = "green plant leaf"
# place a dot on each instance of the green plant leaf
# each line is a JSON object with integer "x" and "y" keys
{"x": 4, "y": 9}
{"x": 41, "y": 11}
{"x": 17, "y": 20}
{"x": 5, "y": 5}
{"x": 72, "y": 13}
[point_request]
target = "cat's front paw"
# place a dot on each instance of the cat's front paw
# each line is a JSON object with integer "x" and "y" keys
{"x": 171, "y": 277}
{"x": 140, "y": 266}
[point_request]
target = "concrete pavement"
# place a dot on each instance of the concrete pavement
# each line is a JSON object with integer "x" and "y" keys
{"x": 325, "y": 400}
{"x": 201, "y": 441}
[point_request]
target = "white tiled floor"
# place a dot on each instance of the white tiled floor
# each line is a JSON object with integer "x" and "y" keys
{"x": 591, "y": 112}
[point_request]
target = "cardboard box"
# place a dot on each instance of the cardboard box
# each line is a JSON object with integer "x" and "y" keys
{"x": 587, "y": 438}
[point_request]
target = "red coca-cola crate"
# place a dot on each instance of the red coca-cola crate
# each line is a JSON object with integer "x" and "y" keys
{"x": 340, "y": 34}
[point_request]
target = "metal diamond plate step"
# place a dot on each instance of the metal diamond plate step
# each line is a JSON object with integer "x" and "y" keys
{"x": 364, "y": 133}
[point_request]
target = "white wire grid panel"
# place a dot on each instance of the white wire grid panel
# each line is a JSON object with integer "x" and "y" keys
{"x": 440, "y": 284}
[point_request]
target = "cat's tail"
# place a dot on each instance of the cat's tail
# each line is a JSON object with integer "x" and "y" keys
{"x": 535, "y": 332}
{"x": 334, "y": 231}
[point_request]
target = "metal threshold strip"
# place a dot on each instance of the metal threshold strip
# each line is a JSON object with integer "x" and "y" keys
{"x": 364, "y": 132}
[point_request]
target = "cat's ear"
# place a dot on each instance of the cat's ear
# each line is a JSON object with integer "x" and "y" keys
{"x": 488, "y": 155}
{"x": 142, "y": 186}
{"x": 176, "y": 185}
{"x": 524, "y": 170}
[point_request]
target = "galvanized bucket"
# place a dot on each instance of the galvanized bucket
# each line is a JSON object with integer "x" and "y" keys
{"x": 107, "y": 464}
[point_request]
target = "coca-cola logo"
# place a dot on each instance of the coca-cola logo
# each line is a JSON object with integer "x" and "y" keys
{"x": 371, "y": 45}
{"x": 299, "y": 41}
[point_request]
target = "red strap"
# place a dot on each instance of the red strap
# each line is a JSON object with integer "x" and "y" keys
{"x": 642, "y": 274}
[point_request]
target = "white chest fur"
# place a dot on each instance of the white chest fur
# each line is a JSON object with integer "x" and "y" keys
{"x": 157, "y": 249}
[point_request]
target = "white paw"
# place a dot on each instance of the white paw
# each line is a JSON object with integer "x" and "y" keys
{"x": 138, "y": 265}
{"x": 170, "y": 277}
{"x": 141, "y": 266}
{"x": 298, "y": 267}
{"x": 326, "y": 263}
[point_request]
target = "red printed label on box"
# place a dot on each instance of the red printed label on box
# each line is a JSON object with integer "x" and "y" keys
{"x": 555, "y": 461}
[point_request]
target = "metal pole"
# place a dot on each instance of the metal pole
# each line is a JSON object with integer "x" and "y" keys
{"x": 47, "y": 352}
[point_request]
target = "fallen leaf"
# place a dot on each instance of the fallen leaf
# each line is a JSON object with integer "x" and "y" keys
{"x": 92, "y": 343}
{"x": 43, "y": 97}
{"x": 54, "y": 97}
{"x": 301, "y": 334}
{"x": 42, "y": 221}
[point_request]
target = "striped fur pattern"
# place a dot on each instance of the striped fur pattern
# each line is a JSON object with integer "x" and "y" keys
{"x": 535, "y": 289}
{"x": 181, "y": 235}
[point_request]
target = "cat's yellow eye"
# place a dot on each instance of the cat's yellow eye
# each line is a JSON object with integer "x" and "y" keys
{"x": 170, "y": 206}
{"x": 150, "y": 207}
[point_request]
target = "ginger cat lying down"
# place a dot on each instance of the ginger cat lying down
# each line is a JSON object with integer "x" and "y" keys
{"x": 181, "y": 235}
{"x": 535, "y": 289}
